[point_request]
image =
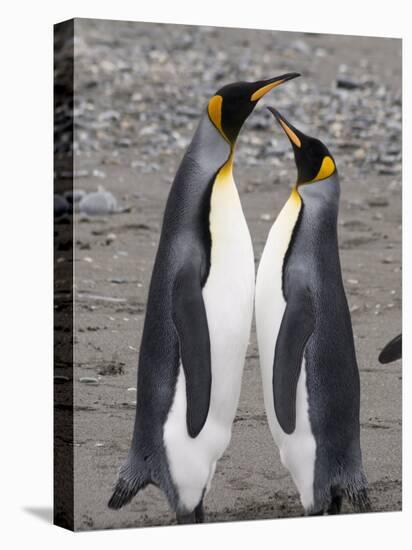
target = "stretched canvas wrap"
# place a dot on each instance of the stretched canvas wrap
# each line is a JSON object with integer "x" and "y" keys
{"x": 227, "y": 245}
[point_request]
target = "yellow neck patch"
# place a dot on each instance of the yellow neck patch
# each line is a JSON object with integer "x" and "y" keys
{"x": 327, "y": 168}
{"x": 294, "y": 196}
{"x": 225, "y": 173}
{"x": 264, "y": 90}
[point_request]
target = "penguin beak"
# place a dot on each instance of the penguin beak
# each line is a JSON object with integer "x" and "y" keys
{"x": 264, "y": 86}
{"x": 290, "y": 131}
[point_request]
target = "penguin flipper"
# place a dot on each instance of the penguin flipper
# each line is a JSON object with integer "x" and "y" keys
{"x": 392, "y": 351}
{"x": 297, "y": 325}
{"x": 189, "y": 316}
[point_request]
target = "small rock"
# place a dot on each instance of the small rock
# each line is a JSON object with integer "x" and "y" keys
{"x": 377, "y": 202}
{"x": 109, "y": 115}
{"x": 111, "y": 368}
{"x": 359, "y": 154}
{"x": 107, "y": 65}
{"x": 346, "y": 83}
{"x": 89, "y": 380}
{"x": 336, "y": 129}
{"x": 110, "y": 238}
{"x": 99, "y": 173}
{"x": 390, "y": 170}
{"x": 124, "y": 142}
{"x": 98, "y": 203}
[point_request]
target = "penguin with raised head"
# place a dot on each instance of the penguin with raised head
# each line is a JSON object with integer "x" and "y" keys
{"x": 198, "y": 317}
{"x": 306, "y": 346}
{"x": 392, "y": 351}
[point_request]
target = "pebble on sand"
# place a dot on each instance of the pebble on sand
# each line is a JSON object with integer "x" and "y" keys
{"x": 119, "y": 280}
{"x": 98, "y": 203}
{"x": 378, "y": 201}
{"x": 359, "y": 154}
{"x": 348, "y": 83}
{"x": 89, "y": 380}
{"x": 110, "y": 238}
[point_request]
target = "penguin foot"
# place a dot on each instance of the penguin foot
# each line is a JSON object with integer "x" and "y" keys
{"x": 197, "y": 516}
{"x": 335, "y": 506}
{"x": 360, "y": 501}
{"x": 200, "y": 513}
{"x": 186, "y": 519}
{"x": 336, "y": 502}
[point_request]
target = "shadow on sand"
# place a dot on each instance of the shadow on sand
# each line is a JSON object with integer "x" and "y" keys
{"x": 45, "y": 513}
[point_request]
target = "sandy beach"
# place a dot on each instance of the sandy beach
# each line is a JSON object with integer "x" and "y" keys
{"x": 139, "y": 90}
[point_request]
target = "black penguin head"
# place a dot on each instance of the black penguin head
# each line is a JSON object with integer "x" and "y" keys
{"x": 313, "y": 159}
{"x": 231, "y": 105}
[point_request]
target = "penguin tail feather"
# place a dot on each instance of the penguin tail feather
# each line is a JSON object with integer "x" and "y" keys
{"x": 359, "y": 499}
{"x": 130, "y": 481}
{"x": 352, "y": 486}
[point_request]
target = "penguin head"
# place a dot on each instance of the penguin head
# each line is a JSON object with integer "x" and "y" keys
{"x": 231, "y": 105}
{"x": 313, "y": 159}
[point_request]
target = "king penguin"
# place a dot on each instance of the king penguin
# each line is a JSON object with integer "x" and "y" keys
{"x": 307, "y": 354}
{"x": 198, "y": 317}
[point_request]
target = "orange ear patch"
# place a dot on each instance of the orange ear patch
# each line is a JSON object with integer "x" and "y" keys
{"x": 214, "y": 109}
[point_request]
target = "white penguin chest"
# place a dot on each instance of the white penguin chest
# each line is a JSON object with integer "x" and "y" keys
{"x": 228, "y": 298}
{"x": 228, "y": 292}
{"x": 297, "y": 450}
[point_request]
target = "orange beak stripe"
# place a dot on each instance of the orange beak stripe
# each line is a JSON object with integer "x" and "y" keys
{"x": 292, "y": 136}
{"x": 264, "y": 90}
